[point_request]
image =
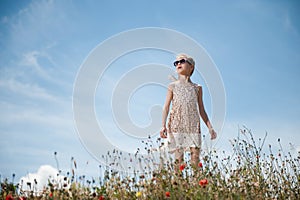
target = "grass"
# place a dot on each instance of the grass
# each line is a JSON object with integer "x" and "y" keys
{"x": 248, "y": 173}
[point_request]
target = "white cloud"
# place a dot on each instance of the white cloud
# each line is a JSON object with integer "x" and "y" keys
{"x": 287, "y": 23}
{"x": 26, "y": 89}
{"x": 36, "y": 76}
{"x": 31, "y": 59}
{"x": 39, "y": 180}
{"x": 50, "y": 116}
{"x": 40, "y": 22}
{"x": 32, "y": 34}
{"x": 4, "y": 20}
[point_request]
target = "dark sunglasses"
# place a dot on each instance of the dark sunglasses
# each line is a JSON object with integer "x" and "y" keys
{"x": 182, "y": 61}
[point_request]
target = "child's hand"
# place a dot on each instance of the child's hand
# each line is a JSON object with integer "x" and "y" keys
{"x": 213, "y": 134}
{"x": 163, "y": 132}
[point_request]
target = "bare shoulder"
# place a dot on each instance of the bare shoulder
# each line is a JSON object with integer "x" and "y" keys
{"x": 198, "y": 87}
{"x": 172, "y": 85}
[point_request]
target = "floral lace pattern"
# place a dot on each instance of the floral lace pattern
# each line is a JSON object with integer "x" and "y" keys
{"x": 184, "y": 120}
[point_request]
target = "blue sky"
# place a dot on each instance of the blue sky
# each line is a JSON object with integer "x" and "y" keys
{"x": 254, "y": 44}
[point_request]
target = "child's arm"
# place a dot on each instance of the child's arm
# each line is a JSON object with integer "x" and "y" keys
{"x": 204, "y": 116}
{"x": 165, "y": 112}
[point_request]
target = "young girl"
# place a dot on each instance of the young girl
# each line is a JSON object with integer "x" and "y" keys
{"x": 183, "y": 130}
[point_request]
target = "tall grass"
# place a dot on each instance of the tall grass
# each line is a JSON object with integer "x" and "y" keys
{"x": 249, "y": 172}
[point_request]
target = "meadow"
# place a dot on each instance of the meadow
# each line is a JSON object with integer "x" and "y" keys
{"x": 251, "y": 171}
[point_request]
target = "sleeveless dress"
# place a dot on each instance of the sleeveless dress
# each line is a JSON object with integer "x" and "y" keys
{"x": 184, "y": 119}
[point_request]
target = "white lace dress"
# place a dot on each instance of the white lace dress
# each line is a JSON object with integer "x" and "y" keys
{"x": 184, "y": 119}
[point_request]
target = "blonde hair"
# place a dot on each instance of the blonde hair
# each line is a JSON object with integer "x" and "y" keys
{"x": 188, "y": 58}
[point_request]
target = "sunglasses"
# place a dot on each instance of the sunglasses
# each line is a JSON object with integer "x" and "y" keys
{"x": 182, "y": 61}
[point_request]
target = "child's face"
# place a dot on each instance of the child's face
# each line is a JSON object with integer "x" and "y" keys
{"x": 184, "y": 68}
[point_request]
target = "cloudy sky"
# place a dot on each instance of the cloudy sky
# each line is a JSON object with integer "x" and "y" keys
{"x": 255, "y": 46}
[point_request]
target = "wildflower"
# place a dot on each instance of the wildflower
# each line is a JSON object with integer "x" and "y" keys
{"x": 181, "y": 167}
{"x": 154, "y": 179}
{"x": 142, "y": 176}
{"x": 101, "y": 198}
{"x": 203, "y": 182}
{"x": 168, "y": 194}
{"x": 138, "y": 194}
{"x": 9, "y": 197}
{"x": 200, "y": 164}
{"x": 256, "y": 184}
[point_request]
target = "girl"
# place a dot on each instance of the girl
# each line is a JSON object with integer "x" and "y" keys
{"x": 183, "y": 129}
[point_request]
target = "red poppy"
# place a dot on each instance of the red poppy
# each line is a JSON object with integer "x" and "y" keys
{"x": 101, "y": 198}
{"x": 50, "y": 195}
{"x": 200, "y": 164}
{"x": 168, "y": 194}
{"x": 203, "y": 182}
{"x": 9, "y": 197}
{"x": 181, "y": 167}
